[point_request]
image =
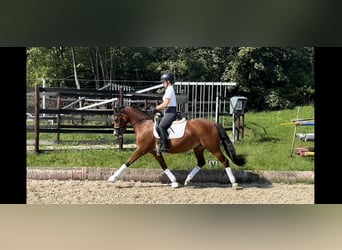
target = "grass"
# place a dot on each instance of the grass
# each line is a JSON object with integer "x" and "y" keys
{"x": 266, "y": 143}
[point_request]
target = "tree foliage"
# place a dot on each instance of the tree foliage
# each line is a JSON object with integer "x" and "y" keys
{"x": 273, "y": 77}
{"x": 270, "y": 77}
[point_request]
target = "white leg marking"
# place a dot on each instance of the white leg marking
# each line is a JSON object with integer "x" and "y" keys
{"x": 191, "y": 175}
{"x": 172, "y": 178}
{"x": 230, "y": 175}
{"x": 117, "y": 173}
{"x": 232, "y": 179}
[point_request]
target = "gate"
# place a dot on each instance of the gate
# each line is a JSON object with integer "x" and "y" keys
{"x": 208, "y": 100}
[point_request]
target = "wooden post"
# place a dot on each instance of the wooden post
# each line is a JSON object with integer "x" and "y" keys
{"x": 238, "y": 126}
{"x": 294, "y": 135}
{"x": 58, "y": 117}
{"x": 120, "y": 102}
{"x": 36, "y": 120}
{"x": 80, "y": 105}
{"x": 243, "y": 125}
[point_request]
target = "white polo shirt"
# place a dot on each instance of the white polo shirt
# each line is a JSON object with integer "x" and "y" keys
{"x": 170, "y": 93}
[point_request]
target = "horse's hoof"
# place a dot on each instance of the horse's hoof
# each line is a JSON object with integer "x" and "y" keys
{"x": 236, "y": 186}
{"x": 187, "y": 183}
{"x": 112, "y": 178}
{"x": 175, "y": 184}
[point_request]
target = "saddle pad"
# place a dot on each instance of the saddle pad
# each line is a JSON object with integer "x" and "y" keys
{"x": 175, "y": 131}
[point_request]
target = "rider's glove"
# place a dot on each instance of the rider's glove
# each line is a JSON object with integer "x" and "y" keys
{"x": 154, "y": 111}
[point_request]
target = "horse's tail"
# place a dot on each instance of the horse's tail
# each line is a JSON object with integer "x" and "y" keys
{"x": 239, "y": 160}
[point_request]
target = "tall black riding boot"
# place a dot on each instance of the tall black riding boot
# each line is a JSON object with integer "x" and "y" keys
{"x": 163, "y": 137}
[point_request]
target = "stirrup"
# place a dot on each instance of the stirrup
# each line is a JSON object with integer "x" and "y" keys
{"x": 163, "y": 150}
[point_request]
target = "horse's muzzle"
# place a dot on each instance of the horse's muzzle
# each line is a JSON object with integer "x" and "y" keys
{"x": 118, "y": 131}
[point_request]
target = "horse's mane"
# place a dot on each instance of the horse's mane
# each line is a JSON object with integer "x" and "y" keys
{"x": 140, "y": 111}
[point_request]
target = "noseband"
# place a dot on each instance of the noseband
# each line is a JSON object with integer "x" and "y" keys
{"x": 120, "y": 129}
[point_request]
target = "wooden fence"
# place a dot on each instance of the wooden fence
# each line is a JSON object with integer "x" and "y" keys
{"x": 74, "y": 106}
{"x": 79, "y": 107}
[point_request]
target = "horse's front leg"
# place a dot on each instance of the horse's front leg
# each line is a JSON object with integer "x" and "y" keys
{"x": 115, "y": 176}
{"x": 163, "y": 165}
{"x": 200, "y": 163}
{"x": 135, "y": 156}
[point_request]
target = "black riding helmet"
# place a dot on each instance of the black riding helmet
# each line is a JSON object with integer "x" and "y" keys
{"x": 167, "y": 77}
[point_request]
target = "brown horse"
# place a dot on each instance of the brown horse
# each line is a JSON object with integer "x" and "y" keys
{"x": 200, "y": 134}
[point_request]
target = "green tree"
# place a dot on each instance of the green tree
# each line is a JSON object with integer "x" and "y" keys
{"x": 273, "y": 78}
{"x": 270, "y": 77}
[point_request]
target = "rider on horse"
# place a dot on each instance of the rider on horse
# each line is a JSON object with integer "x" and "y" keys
{"x": 169, "y": 105}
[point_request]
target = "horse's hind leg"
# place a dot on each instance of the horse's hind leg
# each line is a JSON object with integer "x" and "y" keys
{"x": 228, "y": 169}
{"x": 200, "y": 163}
{"x": 160, "y": 159}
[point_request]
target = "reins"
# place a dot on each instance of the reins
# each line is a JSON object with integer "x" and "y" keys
{"x": 143, "y": 119}
{"x": 132, "y": 124}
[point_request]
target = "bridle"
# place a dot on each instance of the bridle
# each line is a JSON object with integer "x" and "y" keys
{"x": 121, "y": 128}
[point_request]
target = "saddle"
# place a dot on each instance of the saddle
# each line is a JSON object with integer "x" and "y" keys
{"x": 177, "y": 128}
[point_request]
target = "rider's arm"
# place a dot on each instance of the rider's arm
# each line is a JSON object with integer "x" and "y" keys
{"x": 164, "y": 104}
